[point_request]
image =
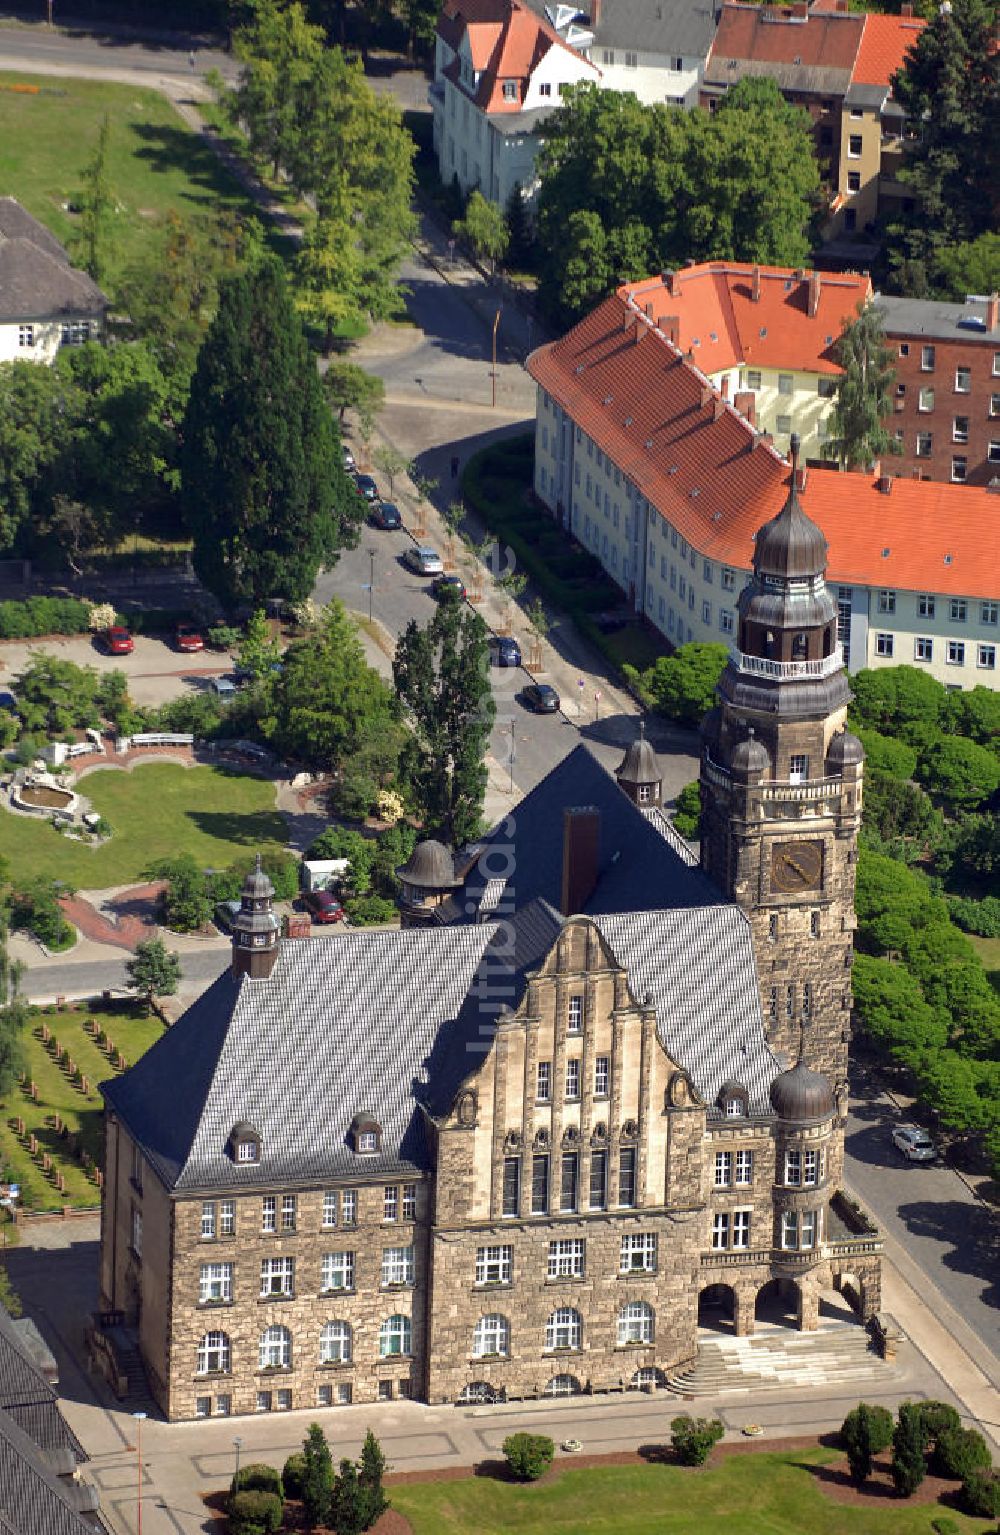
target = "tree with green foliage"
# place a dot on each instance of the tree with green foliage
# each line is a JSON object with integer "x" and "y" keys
{"x": 37, "y": 409}
{"x": 974, "y": 846}
{"x": 894, "y": 1012}
{"x": 520, "y": 239}
{"x": 528, "y": 1455}
{"x": 421, "y": 17}
{"x": 372, "y": 1469}
{"x": 865, "y": 1433}
{"x": 959, "y": 772}
{"x": 687, "y": 811}
{"x": 694, "y": 1438}
{"x": 441, "y": 677}
{"x": 35, "y": 909}
{"x": 318, "y": 1480}
{"x": 484, "y": 229}
{"x": 348, "y": 386}
{"x": 13, "y": 1008}
{"x": 278, "y": 49}
{"x": 348, "y": 1508}
{"x": 958, "y": 1452}
{"x": 682, "y": 686}
{"x": 981, "y": 1493}
{"x": 265, "y": 494}
{"x": 97, "y": 204}
{"x": 863, "y": 398}
{"x": 153, "y": 971}
{"x": 949, "y": 86}
{"x": 898, "y": 700}
{"x": 974, "y": 713}
{"x": 56, "y": 696}
{"x": 389, "y": 461}
{"x": 909, "y": 1444}
{"x": 259, "y": 653}
{"x": 185, "y": 901}
{"x": 887, "y": 755}
{"x": 970, "y": 266}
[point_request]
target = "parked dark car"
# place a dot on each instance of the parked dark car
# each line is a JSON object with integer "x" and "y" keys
{"x": 323, "y": 906}
{"x": 225, "y": 915}
{"x": 349, "y": 463}
{"x": 386, "y": 515}
{"x": 504, "y": 650}
{"x": 447, "y": 587}
{"x": 540, "y": 698}
{"x": 367, "y": 488}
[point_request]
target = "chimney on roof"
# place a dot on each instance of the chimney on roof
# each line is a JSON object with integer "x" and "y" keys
{"x": 876, "y": 468}
{"x": 670, "y": 324}
{"x": 885, "y": 484}
{"x": 706, "y": 395}
{"x": 581, "y": 852}
{"x": 755, "y": 285}
{"x": 724, "y": 386}
{"x": 800, "y": 477}
{"x": 669, "y": 280}
{"x": 746, "y": 403}
{"x": 993, "y": 311}
{"x": 766, "y": 440}
{"x": 595, "y": 14}
{"x": 906, "y": 10}
{"x": 800, "y": 10}
{"x": 813, "y": 294}
{"x": 649, "y": 311}
{"x": 718, "y": 407}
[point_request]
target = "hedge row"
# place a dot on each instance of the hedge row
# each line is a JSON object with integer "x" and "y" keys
{"x": 38, "y": 616}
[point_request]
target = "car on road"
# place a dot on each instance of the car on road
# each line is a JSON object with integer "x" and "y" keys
{"x": 118, "y": 641}
{"x": 447, "y": 587}
{"x": 189, "y": 638}
{"x": 225, "y": 915}
{"x": 349, "y": 463}
{"x": 915, "y": 1144}
{"x": 386, "y": 515}
{"x": 323, "y": 906}
{"x": 424, "y": 560}
{"x": 223, "y": 687}
{"x": 367, "y": 488}
{"x": 541, "y": 699}
{"x": 8, "y": 701}
{"x": 504, "y": 650}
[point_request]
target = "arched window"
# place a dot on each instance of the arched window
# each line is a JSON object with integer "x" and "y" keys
{"x": 562, "y": 1385}
{"x": 649, "y": 1375}
{"x": 394, "y": 1336}
{"x": 215, "y": 1356}
{"x": 481, "y": 1392}
{"x": 275, "y": 1349}
{"x": 335, "y": 1343}
{"x": 492, "y": 1336}
{"x": 564, "y": 1329}
{"x": 635, "y": 1323}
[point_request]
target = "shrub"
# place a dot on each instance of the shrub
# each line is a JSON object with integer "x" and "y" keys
{"x": 865, "y": 1433}
{"x": 945, "y": 1525}
{"x": 979, "y": 917}
{"x": 981, "y": 1494}
{"x": 257, "y": 1477}
{"x": 36, "y": 909}
{"x": 959, "y": 1452}
{"x": 43, "y": 615}
{"x": 937, "y": 1418}
{"x": 687, "y": 811}
{"x": 254, "y": 1513}
{"x": 291, "y": 1474}
{"x": 528, "y": 1455}
{"x": 102, "y": 616}
{"x": 693, "y": 1438}
{"x": 369, "y": 910}
{"x": 909, "y": 1441}
{"x": 887, "y": 754}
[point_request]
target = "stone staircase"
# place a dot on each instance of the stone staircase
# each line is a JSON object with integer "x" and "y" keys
{"x": 778, "y": 1358}
{"x": 136, "y": 1396}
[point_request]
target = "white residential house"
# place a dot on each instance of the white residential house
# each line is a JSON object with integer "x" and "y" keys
{"x": 657, "y": 49}
{"x": 45, "y": 303}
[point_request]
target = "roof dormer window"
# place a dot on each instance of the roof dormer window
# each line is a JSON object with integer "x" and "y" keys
{"x": 244, "y": 1144}
{"x": 510, "y": 90}
{"x": 366, "y": 1135}
{"x": 732, "y": 1100}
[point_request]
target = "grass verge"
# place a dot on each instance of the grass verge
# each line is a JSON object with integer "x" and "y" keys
{"x": 157, "y": 810}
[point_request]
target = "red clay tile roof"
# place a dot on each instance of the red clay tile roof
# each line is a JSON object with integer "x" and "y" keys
{"x": 506, "y": 42}
{"x": 720, "y": 322}
{"x": 701, "y": 464}
{"x": 769, "y": 34}
{"x": 885, "y": 42}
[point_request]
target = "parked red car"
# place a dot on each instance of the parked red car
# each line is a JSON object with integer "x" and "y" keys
{"x": 118, "y": 641}
{"x": 188, "y": 638}
{"x": 323, "y": 906}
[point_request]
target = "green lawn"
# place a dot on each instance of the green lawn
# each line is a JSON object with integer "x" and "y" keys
{"x": 154, "y": 162}
{"x": 159, "y": 809}
{"x": 131, "y": 1034}
{"x": 988, "y": 950}
{"x": 757, "y": 1494}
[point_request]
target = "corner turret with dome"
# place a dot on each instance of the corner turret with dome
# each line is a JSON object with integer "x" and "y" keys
{"x": 426, "y": 879}
{"x": 256, "y": 930}
{"x": 638, "y": 773}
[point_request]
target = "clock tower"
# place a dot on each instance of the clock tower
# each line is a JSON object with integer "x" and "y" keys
{"x": 781, "y": 786}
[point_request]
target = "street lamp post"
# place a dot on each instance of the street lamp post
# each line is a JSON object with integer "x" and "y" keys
{"x": 140, "y": 1418}
{"x": 496, "y": 323}
{"x": 236, "y": 1479}
{"x": 371, "y": 582}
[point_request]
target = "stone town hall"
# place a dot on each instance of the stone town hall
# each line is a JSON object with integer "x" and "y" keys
{"x": 590, "y": 1093}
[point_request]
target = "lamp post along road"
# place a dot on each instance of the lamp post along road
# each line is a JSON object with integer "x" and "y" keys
{"x": 496, "y": 323}
{"x": 140, "y": 1418}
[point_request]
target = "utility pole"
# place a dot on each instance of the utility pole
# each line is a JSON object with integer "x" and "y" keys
{"x": 371, "y": 582}
{"x": 140, "y": 1418}
{"x": 496, "y": 324}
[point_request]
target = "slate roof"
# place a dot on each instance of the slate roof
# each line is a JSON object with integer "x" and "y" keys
{"x": 36, "y": 279}
{"x": 33, "y": 1501}
{"x": 29, "y": 1399}
{"x": 936, "y": 319}
{"x": 682, "y": 27}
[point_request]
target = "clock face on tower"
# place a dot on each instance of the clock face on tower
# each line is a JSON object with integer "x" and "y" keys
{"x": 796, "y": 866}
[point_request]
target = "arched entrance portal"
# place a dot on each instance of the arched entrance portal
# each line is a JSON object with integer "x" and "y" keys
{"x": 779, "y": 1303}
{"x": 717, "y": 1308}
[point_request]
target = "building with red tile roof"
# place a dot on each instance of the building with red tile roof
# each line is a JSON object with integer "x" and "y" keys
{"x": 645, "y": 462}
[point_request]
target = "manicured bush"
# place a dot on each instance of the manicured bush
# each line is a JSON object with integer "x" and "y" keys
{"x": 255, "y": 1513}
{"x": 959, "y": 1452}
{"x": 938, "y": 1418}
{"x": 909, "y": 1442}
{"x": 291, "y": 1474}
{"x": 693, "y": 1438}
{"x": 370, "y": 910}
{"x": 43, "y": 615}
{"x": 979, "y": 917}
{"x": 865, "y": 1433}
{"x": 528, "y": 1455}
{"x": 35, "y": 909}
{"x": 257, "y": 1477}
{"x": 981, "y": 1494}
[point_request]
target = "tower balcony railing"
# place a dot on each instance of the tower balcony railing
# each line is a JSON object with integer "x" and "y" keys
{"x": 782, "y": 671}
{"x": 776, "y": 788}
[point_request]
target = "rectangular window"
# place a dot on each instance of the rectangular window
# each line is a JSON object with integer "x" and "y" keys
{"x": 545, "y": 88}
{"x": 814, "y": 924}
{"x": 995, "y": 404}
{"x": 772, "y": 1004}
{"x": 963, "y": 380}
{"x": 608, "y": 56}
{"x": 626, "y": 1177}
{"x": 207, "y": 1219}
{"x": 227, "y": 1218}
{"x": 330, "y": 1208}
{"x": 923, "y": 648}
{"x": 324, "y": 1396}
{"x": 993, "y": 451}
{"x": 959, "y": 469}
{"x": 793, "y": 1167}
{"x": 566, "y": 1259}
{"x": 886, "y": 601}
{"x": 494, "y": 1265}
{"x": 203, "y": 1406}
{"x": 269, "y": 1213}
{"x": 349, "y": 1206}
{"x": 277, "y": 1276}
{"x": 883, "y": 645}
{"x": 789, "y": 1229}
{"x": 264, "y": 1400}
{"x": 539, "y": 1185}
{"x": 631, "y": 61}
{"x": 989, "y": 612}
{"x": 137, "y": 1232}
{"x": 723, "y": 1169}
{"x": 25, "y": 335}
{"x": 741, "y": 1228}
{"x": 728, "y": 579}
{"x": 602, "y": 1076}
{"x": 215, "y": 1282}
{"x": 283, "y": 1400}
{"x": 785, "y": 383}
{"x": 706, "y": 612}
{"x": 807, "y": 1234}
{"x": 807, "y": 999}
{"x": 574, "y": 1016}
{"x": 927, "y": 356}
{"x": 569, "y": 1180}
{"x": 337, "y": 1271}
{"x": 573, "y": 1079}
{"x": 510, "y": 90}
{"x": 598, "y": 1180}
{"x": 960, "y": 429}
{"x": 854, "y": 146}
{"x": 543, "y": 1091}
{"x": 957, "y": 610}
{"x": 925, "y": 605}
{"x": 744, "y": 1167}
{"x": 726, "y": 621}
{"x": 783, "y": 424}
{"x": 925, "y": 444}
{"x": 397, "y": 1265}
{"x": 638, "y": 1253}
{"x": 986, "y": 658}
{"x": 511, "y": 1185}
{"x": 246, "y": 1151}
{"x": 223, "y": 1405}
{"x": 288, "y": 1212}
{"x": 790, "y": 1000}
{"x": 925, "y": 400}
{"x": 390, "y": 1202}
{"x": 810, "y": 1167}
{"x": 798, "y": 767}
{"x": 854, "y": 181}
{"x": 720, "y": 1229}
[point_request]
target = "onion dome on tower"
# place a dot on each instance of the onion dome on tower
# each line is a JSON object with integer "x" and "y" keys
{"x": 801, "y": 1096}
{"x": 255, "y": 927}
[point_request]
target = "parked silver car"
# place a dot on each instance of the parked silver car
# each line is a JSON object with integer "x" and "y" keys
{"x": 915, "y": 1144}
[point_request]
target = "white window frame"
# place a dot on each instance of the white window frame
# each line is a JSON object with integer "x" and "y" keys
{"x": 397, "y": 1265}
{"x": 636, "y": 1323}
{"x": 215, "y": 1283}
{"x": 740, "y": 1227}
{"x": 567, "y": 1258}
{"x": 208, "y": 1220}
{"x": 494, "y": 1264}
{"x": 215, "y": 1354}
{"x": 269, "y": 1213}
{"x": 638, "y": 1253}
{"x": 743, "y": 1168}
{"x": 574, "y": 1015}
{"x": 395, "y": 1337}
{"x": 720, "y": 1230}
{"x": 277, "y": 1277}
{"x": 573, "y": 1079}
{"x": 330, "y": 1209}
{"x": 491, "y": 1337}
{"x": 274, "y": 1351}
{"x": 336, "y": 1271}
{"x": 723, "y": 1170}
{"x": 543, "y": 1082}
{"x": 564, "y": 1329}
{"x": 336, "y": 1343}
